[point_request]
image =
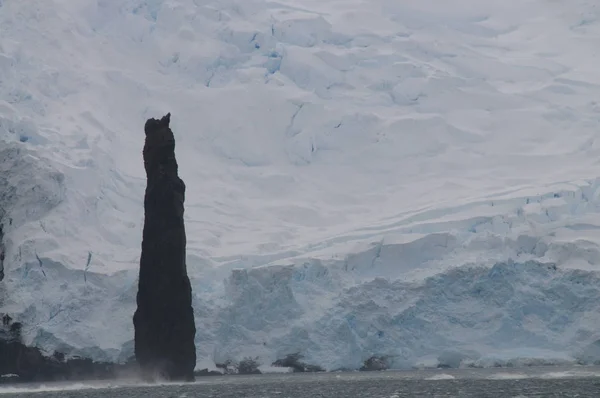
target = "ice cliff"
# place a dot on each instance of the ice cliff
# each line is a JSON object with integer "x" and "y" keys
{"x": 411, "y": 179}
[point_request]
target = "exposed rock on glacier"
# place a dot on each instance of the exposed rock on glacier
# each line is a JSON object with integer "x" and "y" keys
{"x": 164, "y": 319}
{"x": 375, "y": 363}
{"x": 294, "y": 362}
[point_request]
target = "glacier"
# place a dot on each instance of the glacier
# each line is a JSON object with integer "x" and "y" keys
{"x": 417, "y": 180}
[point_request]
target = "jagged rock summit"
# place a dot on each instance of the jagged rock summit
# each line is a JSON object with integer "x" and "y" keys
{"x": 164, "y": 319}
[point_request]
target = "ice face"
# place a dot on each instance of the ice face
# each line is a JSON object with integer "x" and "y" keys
{"x": 363, "y": 177}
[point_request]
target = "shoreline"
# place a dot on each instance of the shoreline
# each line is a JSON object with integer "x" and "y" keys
{"x": 540, "y": 372}
{"x": 104, "y": 374}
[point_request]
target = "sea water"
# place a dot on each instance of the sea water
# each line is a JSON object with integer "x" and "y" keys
{"x": 480, "y": 383}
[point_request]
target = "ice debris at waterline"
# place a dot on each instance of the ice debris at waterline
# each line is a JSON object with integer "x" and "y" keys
{"x": 164, "y": 319}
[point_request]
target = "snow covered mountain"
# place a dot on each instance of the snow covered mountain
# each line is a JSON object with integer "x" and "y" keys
{"x": 416, "y": 179}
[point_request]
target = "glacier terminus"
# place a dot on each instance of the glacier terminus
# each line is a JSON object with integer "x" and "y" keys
{"x": 415, "y": 181}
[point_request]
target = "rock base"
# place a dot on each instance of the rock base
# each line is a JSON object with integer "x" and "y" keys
{"x": 22, "y": 364}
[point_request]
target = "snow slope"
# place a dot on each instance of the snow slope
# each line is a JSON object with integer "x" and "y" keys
{"x": 416, "y": 179}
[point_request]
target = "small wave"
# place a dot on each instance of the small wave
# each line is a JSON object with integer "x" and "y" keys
{"x": 60, "y": 387}
{"x": 567, "y": 374}
{"x": 275, "y": 369}
{"x": 507, "y": 376}
{"x": 32, "y": 388}
{"x": 442, "y": 376}
{"x": 122, "y": 383}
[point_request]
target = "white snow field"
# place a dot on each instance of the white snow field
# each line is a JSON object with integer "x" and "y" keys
{"x": 416, "y": 179}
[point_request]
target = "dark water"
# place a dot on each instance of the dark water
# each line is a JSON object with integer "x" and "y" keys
{"x": 521, "y": 383}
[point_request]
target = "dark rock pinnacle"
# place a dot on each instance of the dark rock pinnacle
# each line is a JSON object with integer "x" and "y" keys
{"x": 164, "y": 319}
{"x": 2, "y": 254}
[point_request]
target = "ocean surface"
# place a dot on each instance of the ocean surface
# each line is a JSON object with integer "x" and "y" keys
{"x": 481, "y": 383}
